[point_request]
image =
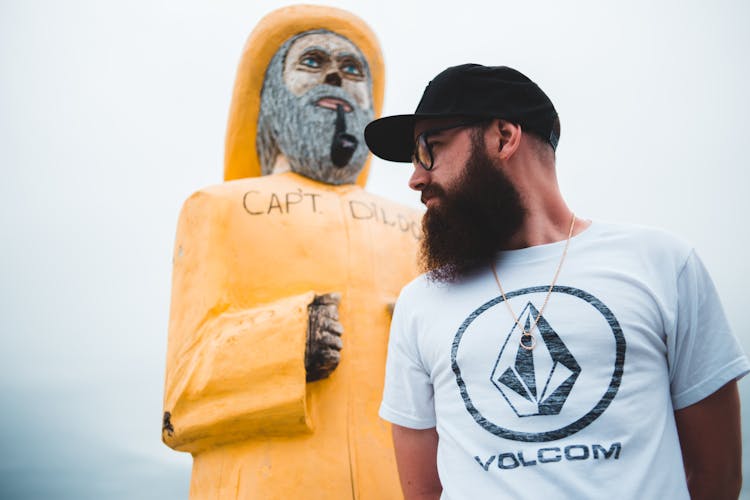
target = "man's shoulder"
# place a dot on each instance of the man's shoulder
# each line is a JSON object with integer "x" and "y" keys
{"x": 644, "y": 236}
{"x": 423, "y": 292}
{"x": 422, "y": 301}
{"x": 650, "y": 243}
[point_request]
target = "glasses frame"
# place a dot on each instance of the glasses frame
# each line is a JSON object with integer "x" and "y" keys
{"x": 421, "y": 141}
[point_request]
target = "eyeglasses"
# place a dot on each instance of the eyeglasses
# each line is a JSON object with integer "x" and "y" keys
{"x": 423, "y": 149}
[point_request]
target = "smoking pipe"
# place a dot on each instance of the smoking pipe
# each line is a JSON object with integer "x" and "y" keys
{"x": 343, "y": 145}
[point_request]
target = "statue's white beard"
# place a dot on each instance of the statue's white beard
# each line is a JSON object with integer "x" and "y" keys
{"x": 303, "y": 132}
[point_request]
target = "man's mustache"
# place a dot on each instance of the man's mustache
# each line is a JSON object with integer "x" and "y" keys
{"x": 431, "y": 191}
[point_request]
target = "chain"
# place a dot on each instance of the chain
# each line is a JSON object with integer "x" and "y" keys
{"x": 546, "y": 299}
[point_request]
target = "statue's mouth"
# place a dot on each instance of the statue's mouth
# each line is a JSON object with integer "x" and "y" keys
{"x": 333, "y": 103}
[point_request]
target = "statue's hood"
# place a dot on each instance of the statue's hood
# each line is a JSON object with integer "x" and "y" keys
{"x": 240, "y": 156}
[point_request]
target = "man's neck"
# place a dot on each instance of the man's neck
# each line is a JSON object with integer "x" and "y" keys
{"x": 548, "y": 218}
{"x": 541, "y": 229}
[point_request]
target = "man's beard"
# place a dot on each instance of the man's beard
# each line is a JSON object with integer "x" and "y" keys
{"x": 470, "y": 225}
{"x": 303, "y": 132}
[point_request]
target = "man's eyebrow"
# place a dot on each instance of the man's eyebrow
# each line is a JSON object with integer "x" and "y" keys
{"x": 435, "y": 132}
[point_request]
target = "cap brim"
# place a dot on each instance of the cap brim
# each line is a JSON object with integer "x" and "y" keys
{"x": 392, "y": 137}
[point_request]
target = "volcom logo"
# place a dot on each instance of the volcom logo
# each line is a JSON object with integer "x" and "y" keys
{"x": 566, "y": 382}
{"x": 536, "y": 381}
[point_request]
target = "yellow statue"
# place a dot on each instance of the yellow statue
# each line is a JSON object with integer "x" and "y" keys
{"x": 279, "y": 267}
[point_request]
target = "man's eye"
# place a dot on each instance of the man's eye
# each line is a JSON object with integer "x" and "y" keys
{"x": 351, "y": 68}
{"x": 310, "y": 62}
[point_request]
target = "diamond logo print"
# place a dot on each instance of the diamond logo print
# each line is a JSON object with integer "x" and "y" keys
{"x": 538, "y": 381}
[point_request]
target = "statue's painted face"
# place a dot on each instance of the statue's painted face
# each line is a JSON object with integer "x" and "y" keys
{"x": 327, "y": 58}
{"x": 315, "y": 103}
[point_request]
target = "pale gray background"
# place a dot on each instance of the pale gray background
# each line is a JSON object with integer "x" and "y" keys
{"x": 112, "y": 113}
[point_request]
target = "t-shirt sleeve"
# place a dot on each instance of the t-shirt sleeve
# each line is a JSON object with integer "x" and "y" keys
{"x": 408, "y": 393}
{"x": 703, "y": 353}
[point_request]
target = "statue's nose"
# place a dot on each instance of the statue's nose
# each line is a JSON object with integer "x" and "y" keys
{"x": 333, "y": 79}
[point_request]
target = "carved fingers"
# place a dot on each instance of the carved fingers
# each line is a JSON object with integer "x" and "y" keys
{"x": 327, "y": 299}
{"x": 324, "y": 332}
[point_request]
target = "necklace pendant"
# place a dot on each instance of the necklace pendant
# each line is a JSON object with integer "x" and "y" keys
{"x": 532, "y": 341}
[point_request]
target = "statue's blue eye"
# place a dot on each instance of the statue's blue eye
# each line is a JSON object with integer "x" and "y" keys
{"x": 351, "y": 68}
{"x": 310, "y": 62}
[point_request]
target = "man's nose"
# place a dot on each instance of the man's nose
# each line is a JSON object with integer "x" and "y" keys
{"x": 419, "y": 178}
{"x": 333, "y": 79}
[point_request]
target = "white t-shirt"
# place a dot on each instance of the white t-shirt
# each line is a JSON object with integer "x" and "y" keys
{"x": 633, "y": 330}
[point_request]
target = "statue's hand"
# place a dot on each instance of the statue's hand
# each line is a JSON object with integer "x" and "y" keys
{"x": 323, "y": 336}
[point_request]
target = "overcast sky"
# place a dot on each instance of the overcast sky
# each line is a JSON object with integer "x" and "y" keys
{"x": 112, "y": 113}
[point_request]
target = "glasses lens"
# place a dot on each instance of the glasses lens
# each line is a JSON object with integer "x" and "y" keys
{"x": 422, "y": 154}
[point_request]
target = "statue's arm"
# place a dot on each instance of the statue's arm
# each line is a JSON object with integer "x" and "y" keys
{"x": 243, "y": 374}
{"x": 237, "y": 368}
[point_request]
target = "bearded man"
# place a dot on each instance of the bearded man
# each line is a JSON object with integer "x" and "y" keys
{"x": 542, "y": 355}
{"x": 283, "y": 284}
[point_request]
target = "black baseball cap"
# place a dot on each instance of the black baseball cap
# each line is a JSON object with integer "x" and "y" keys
{"x": 468, "y": 90}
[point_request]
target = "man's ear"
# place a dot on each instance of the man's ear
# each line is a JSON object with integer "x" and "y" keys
{"x": 507, "y": 136}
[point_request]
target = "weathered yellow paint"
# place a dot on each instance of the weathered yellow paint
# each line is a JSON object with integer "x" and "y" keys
{"x": 250, "y": 255}
{"x": 241, "y": 158}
